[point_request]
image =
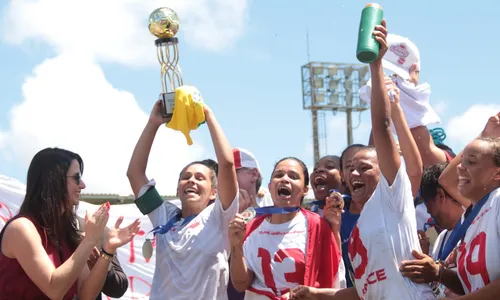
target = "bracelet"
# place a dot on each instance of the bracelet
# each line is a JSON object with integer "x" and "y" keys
{"x": 106, "y": 253}
{"x": 441, "y": 268}
{"x": 106, "y": 257}
{"x": 436, "y": 284}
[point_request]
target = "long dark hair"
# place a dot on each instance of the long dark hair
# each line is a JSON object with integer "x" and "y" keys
{"x": 46, "y": 201}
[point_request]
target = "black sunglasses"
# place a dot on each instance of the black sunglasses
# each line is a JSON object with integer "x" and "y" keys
{"x": 77, "y": 177}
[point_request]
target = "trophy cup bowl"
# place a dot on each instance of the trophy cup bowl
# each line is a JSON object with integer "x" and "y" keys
{"x": 164, "y": 24}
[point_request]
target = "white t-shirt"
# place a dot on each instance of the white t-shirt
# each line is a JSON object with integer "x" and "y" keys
{"x": 192, "y": 261}
{"x": 385, "y": 235}
{"x": 479, "y": 254}
{"x": 423, "y": 217}
{"x": 276, "y": 253}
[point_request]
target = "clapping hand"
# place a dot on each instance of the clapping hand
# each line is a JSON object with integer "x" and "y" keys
{"x": 118, "y": 237}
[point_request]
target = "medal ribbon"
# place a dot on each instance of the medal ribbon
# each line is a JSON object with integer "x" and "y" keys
{"x": 461, "y": 228}
{"x": 273, "y": 210}
{"x": 162, "y": 229}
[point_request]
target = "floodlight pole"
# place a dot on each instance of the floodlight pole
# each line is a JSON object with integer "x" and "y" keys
{"x": 315, "y": 135}
{"x": 319, "y": 94}
{"x": 348, "y": 113}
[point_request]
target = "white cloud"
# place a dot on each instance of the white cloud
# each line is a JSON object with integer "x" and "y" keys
{"x": 69, "y": 103}
{"x": 463, "y": 128}
{"x": 116, "y": 30}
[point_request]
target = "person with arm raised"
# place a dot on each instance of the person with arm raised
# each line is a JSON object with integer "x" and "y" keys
{"x": 192, "y": 247}
{"x": 386, "y": 232}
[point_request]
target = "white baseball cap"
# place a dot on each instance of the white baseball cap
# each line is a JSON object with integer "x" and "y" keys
{"x": 244, "y": 159}
{"x": 400, "y": 56}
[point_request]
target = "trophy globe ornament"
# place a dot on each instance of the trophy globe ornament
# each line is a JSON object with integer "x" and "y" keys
{"x": 164, "y": 24}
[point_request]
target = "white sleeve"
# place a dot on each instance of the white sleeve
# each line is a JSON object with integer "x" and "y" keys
{"x": 220, "y": 219}
{"x": 146, "y": 187}
{"x": 163, "y": 213}
{"x": 225, "y": 216}
{"x": 398, "y": 196}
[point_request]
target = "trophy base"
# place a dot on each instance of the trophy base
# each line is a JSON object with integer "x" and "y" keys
{"x": 168, "y": 101}
{"x": 169, "y": 41}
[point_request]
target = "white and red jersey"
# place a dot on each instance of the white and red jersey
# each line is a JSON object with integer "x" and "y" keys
{"x": 276, "y": 254}
{"x": 385, "y": 235}
{"x": 479, "y": 253}
{"x": 282, "y": 256}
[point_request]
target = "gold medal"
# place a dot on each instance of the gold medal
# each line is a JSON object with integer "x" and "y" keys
{"x": 147, "y": 249}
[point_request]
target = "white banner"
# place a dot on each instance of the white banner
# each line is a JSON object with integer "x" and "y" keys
{"x": 138, "y": 270}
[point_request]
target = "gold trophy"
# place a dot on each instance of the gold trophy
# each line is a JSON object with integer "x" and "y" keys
{"x": 164, "y": 24}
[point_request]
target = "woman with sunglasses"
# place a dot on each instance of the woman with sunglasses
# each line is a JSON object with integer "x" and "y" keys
{"x": 42, "y": 255}
{"x": 192, "y": 245}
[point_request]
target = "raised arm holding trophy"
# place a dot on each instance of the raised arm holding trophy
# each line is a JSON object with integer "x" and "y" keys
{"x": 183, "y": 105}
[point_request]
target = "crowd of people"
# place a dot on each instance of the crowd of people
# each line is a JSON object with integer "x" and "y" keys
{"x": 233, "y": 239}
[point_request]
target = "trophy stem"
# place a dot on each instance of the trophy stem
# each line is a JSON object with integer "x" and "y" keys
{"x": 162, "y": 70}
{"x": 177, "y": 72}
{"x": 171, "y": 77}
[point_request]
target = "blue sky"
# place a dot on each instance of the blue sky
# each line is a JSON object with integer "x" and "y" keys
{"x": 244, "y": 57}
